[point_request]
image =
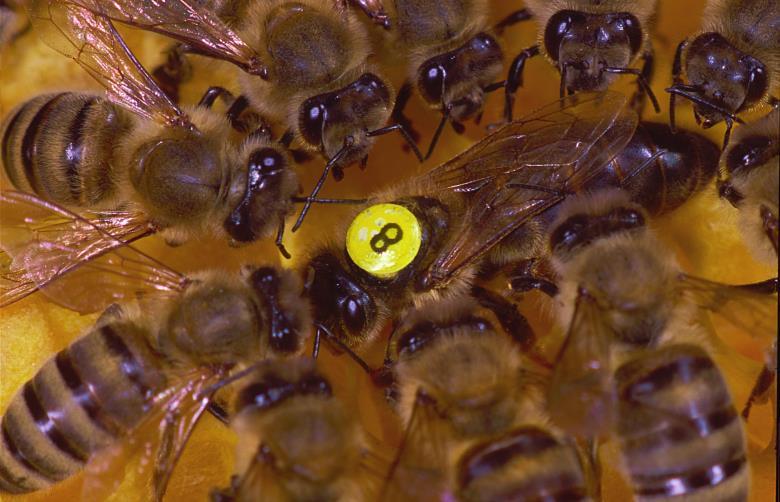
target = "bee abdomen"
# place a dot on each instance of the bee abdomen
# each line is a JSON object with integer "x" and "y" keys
{"x": 90, "y": 394}
{"x": 679, "y": 431}
{"x": 60, "y": 147}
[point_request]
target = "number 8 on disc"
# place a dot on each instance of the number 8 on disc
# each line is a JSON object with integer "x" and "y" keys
{"x": 384, "y": 239}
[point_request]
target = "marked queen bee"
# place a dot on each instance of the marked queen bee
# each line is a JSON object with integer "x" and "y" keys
{"x": 489, "y": 206}
{"x": 144, "y": 374}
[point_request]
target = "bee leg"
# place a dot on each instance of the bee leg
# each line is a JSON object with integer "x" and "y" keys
{"x": 373, "y": 9}
{"x": 214, "y": 92}
{"x": 765, "y": 384}
{"x": 512, "y": 321}
{"x": 514, "y": 79}
{"x": 111, "y": 313}
{"x": 593, "y": 468}
{"x": 512, "y": 19}
{"x": 173, "y": 72}
{"x": 771, "y": 226}
{"x": 642, "y": 80}
{"x": 404, "y": 93}
{"x": 676, "y": 80}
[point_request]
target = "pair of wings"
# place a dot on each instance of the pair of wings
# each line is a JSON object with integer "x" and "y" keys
{"x": 559, "y": 148}
{"x": 524, "y": 169}
{"x": 420, "y": 469}
{"x": 81, "y": 264}
{"x": 582, "y": 397}
{"x": 163, "y": 433}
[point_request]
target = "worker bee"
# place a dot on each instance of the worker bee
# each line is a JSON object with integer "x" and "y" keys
{"x": 317, "y": 79}
{"x": 159, "y": 169}
{"x": 457, "y": 378}
{"x": 750, "y": 167}
{"x": 530, "y": 462}
{"x": 157, "y": 363}
{"x": 590, "y": 43}
{"x": 452, "y": 57}
{"x": 297, "y": 441}
{"x": 620, "y": 292}
{"x": 732, "y": 65}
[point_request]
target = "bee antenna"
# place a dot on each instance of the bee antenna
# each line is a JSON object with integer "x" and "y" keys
{"x": 641, "y": 80}
{"x": 348, "y": 142}
{"x": 333, "y": 339}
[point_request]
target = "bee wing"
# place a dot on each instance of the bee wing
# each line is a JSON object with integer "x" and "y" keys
{"x": 525, "y": 168}
{"x": 186, "y": 21}
{"x": 93, "y": 42}
{"x": 419, "y": 471}
{"x": 755, "y": 313}
{"x": 581, "y": 396}
{"x": 165, "y": 430}
{"x": 84, "y": 265}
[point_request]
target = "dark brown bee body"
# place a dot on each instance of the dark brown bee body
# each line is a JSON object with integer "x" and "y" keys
{"x": 662, "y": 170}
{"x": 679, "y": 430}
{"x": 61, "y": 147}
{"x": 528, "y": 463}
{"x": 91, "y": 393}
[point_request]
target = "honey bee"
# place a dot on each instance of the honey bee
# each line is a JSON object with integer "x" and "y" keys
{"x": 145, "y": 368}
{"x": 531, "y": 462}
{"x": 317, "y": 78}
{"x": 490, "y": 206}
{"x": 457, "y": 378}
{"x": 750, "y": 167}
{"x": 621, "y": 292}
{"x": 297, "y": 441}
{"x": 452, "y": 57}
{"x": 590, "y": 43}
{"x": 159, "y": 169}
{"x": 732, "y": 65}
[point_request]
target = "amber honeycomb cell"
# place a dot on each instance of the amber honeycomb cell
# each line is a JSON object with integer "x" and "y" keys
{"x": 703, "y": 232}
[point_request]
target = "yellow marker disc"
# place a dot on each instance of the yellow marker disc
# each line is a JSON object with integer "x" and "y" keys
{"x": 384, "y": 239}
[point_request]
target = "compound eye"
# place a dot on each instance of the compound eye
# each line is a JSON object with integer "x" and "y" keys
{"x": 353, "y": 314}
{"x": 557, "y": 28}
{"x": 263, "y": 394}
{"x": 384, "y": 239}
{"x": 266, "y": 162}
{"x": 569, "y": 233}
{"x": 633, "y": 30}
{"x": 311, "y": 121}
{"x": 315, "y": 385}
{"x": 757, "y": 84}
{"x": 431, "y": 82}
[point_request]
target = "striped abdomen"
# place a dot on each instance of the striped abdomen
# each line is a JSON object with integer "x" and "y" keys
{"x": 679, "y": 432}
{"x": 60, "y": 147}
{"x": 662, "y": 170}
{"x": 528, "y": 463}
{"x": 87, "y": 396}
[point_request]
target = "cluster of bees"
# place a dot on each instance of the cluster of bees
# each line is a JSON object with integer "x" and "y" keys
{"x": 432, "y": 270}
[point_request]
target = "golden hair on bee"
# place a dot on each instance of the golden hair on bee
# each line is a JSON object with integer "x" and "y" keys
{"x": 750, "y": 166}
{"x": 297, "y": 441}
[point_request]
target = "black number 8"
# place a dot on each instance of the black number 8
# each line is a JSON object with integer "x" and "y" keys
{"x": 381, "y": 241}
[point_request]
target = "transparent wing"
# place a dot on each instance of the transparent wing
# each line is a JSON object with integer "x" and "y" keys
{"x": 164, "y": 431}
{"x": 189, "y": 22}
{"x": 753, "y": 312}
{"x": 93, "y": 42}
{"x": 525, "y": 168}
{"x": 81, "y": 264}
{"x": 419, "y": 472}
{"x": 581, "y": 396}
